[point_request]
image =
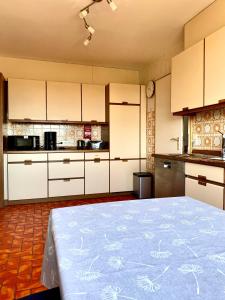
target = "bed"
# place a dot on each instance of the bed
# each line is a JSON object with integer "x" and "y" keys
{"x": 170, "y": 248}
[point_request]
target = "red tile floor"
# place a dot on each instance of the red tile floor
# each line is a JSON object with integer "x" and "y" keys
{"x": 22, "y": 238}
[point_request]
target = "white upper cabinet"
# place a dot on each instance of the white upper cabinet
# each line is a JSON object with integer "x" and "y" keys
{"x": 128, "y": 93}
{"x": 26, "y": 99}
{"x": 63, "y": 101}
{"x": 215, "y": 67}
{"x": 188, "y": 78}
{"x": 124, "y": 131}
{"x": 93, "y": 102}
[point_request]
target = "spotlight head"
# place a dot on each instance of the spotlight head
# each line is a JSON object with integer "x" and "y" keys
{"x": 91, "y": 29}
{"x": 112, "y": 5}
{"x": 83, "y": 13}
{"x": 87, "y": 41}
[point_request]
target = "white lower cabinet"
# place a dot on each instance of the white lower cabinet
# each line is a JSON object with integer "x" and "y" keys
{"x": 66, "y": 187}
{"x": 27, "y": 181}
{"x": 211, "y": 193}
{"x": 121, "y": 174}
{"x": 96, "y": 177}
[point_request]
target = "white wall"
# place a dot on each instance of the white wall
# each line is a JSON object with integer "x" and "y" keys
{"x": 208, "y": 21}
{"x": 43, "y": 70}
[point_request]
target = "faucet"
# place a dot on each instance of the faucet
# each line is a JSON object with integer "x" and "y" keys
{"x": 223, "y": 143}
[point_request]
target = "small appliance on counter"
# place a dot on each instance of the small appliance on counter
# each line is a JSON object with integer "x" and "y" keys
{"x": 50, "y": 140}
{"x": 23, "y": 142}
{"x": 96, "y": 145}
{"x": 81, "y": 144}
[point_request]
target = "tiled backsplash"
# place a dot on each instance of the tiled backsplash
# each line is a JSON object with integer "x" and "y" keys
{"x": 68, "y": 134}
{"x": 204, "y": 130}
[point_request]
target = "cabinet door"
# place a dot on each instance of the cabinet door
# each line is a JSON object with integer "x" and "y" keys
{"x": 187, "y": 78}
{"x": 93, "y": 102}
{"x": 124, "y": 131}
{"x": 63, "y": 101}
{"x": 211, "y": 194}
{"x": 96, "y": 177}
{"x": 27, "y": 181}
{"x": 5, "y": 177}
{"x": 121, "y": 175}
{"x": 119, "y": 93}
{"x": 26, "y": 99}
{"x": 215, "y": 67}
{"x": 168, "y": 128}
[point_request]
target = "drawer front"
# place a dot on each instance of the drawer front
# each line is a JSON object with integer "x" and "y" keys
{"x": 94, "y": 155}
{"x": 65, "y": 156}
{"x": 26, "y": 157}
{"x": 211, "y": 173}
{"x": 58, "y": 188}
{"x": 66, "y": 170}
{"x": 210, "y": 194}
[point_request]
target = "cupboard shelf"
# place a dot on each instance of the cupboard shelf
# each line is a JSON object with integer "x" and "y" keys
{"x": 194, "y": 111}
{"x": 59, "y": 122}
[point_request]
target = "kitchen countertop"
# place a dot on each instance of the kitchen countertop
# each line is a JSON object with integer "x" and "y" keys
{"x": 202, "y": 159}
{"x": 66, "y": 150}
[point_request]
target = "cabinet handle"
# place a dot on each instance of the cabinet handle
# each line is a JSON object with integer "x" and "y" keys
{"x": 202, "y": 180}
{"x": 185, "y": 108}
{"x": 124, "y": 102}
{"x": 124, "y": 160}
{"x": 66, "y": 179}
{"x": 94, "y": 121}
{"x": 66, "y": 120}
{"x": 66, "y": 161}
{"x": 27, "y": 119}
{"x": 221, "y": 101}
{"x": 116, "y": 158}
{"x": 97, "y": 160}
{"x": 28, "y": 162}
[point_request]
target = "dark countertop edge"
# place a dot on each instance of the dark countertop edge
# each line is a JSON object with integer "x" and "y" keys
{"x": 202, "y": 161}
{"x": 53, "y": 151}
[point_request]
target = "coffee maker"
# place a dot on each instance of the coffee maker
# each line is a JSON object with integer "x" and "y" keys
{"x": 50, "y": 140}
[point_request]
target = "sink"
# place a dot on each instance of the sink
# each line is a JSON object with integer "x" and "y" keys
{"x": 218, "y": 158}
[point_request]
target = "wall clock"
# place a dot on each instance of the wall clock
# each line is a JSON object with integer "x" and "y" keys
{"x": 150, "y": 89}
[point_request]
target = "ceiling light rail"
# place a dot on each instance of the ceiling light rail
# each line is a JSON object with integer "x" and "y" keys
{"x": 85, "y": 11}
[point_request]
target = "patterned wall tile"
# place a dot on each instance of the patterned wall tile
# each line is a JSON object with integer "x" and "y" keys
{"x": 205, "y": 127}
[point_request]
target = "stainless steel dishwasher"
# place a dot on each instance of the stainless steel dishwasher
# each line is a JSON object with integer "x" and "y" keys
{"x": 169, "y": 178}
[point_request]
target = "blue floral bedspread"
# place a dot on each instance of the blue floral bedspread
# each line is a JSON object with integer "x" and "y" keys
{"x": 170, "y": 248}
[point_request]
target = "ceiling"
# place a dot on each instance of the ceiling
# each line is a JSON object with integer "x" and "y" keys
{"x": 138, "y": 33}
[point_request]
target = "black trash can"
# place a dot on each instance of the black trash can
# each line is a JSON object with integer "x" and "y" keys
{"x": 142, "y": 185}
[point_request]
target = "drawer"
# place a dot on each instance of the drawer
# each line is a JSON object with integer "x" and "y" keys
{"x": 24, "y": 157}
{"x": 211, "y": 173}
{"x": 65, "y": 156}
{"x": 211, "y": 194}
{"x": 66, "y": 170}
{"x": 58, "y": 188}
{"x": 93, "y": 155}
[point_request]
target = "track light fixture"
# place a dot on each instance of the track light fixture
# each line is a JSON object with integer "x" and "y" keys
{"x": 85, "y": 11}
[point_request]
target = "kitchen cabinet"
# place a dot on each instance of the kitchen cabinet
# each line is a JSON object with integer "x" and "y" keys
{"x": 121, "y": 175}
{"x": 93, "y": 102}
{"x": 204, "y": 183}
{"x": 210, "y": 193}
{"x": 124, "y": 131}
{"x": 96, "y": 173}
{"x": 188, "y": 78}
{"x": 26, "y": 99}
{"x": 27, "y": 176}
{"x": 66, "y": 174}
{"x": 128, "y": 93}
{"x": 215, "y": 67}
{"x": 5, "y": 165}
{"x": 63, "y": 101}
